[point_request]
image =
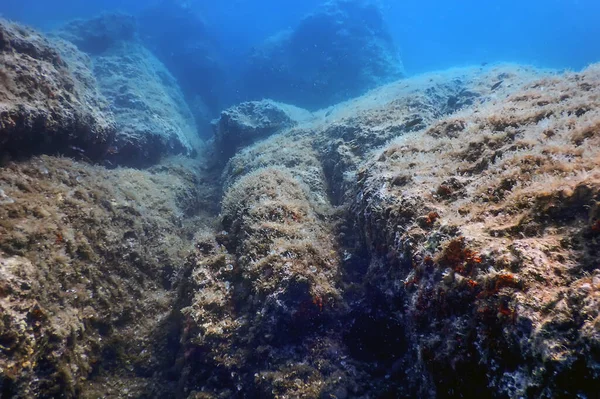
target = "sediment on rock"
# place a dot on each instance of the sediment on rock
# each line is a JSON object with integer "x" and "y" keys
{"x": 267, "y": 284}
{"x": 49, "y": 101}
{"x": 437, "y": 237}
{"x": 347, "y": 134}
{"x": 483, "y": 228}
{"x": 232, "y": 310}
{"x": 88, "y": 257}
{"x": 242, "y": 125}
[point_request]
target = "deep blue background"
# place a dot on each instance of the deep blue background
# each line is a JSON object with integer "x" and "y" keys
{"x": 431, "y": 34}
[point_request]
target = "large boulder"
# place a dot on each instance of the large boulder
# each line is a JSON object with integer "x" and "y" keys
{"x": 243, "y": 124}
{"x": 87, "y": 259}
{"x": 482, "y": 232}
{"x": 152, "y": 116}
{"x": 340, "y": 51}
{"x": 49, "y": 101}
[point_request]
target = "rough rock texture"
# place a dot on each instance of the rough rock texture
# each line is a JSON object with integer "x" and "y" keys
{"x": 152, "y": 116}
{"x": 180, "y": 39}
{"x": 435, "y": 238}
{"x": 241, "y": 125}
{"x": 483, "y": 232}
{"x": 49, "y": 101}
{"x": 348, "y": 133}
{"x": 88, "y": 257}
{"x": 270, "y": 310}
{"x": 153, "y": 119}
{"x": 465, "y": 265}
{"x": 340, "y": 51}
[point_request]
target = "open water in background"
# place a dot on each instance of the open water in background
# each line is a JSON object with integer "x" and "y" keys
{"x": 431, "y": 34}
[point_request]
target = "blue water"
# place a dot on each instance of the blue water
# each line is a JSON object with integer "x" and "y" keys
{"x": 431, "y": 34}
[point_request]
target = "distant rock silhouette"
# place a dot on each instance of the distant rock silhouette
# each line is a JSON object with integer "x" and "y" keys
{"x": 340, "y": 51}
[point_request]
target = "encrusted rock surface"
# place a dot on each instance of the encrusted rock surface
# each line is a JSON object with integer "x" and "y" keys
{"x": 465, "y": 248}
{"x": 241, "y": 125}
{"x": 338, "y": 52}
{"x": 153, "y": 119}
{"x": 484, "y": 227}
{"x": 49, "y": 101}
{"x": 88, "y": 257}
{"x": 435, "y": 238}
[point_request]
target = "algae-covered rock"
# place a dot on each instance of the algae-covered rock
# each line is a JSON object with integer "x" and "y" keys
{"x": 482, "y": 228}
{"x": 349, "y": 132}
{"x": 243, "y": 124}
{"x": 152, "y": 116}
{"x": 87, "y": 259}
{"x": 337, "y": 52}
{"x": 153, "y": 119}
{"x": 436, "y": 237}
{"x": 49, "y": 101}
{"x": 448, "y": 238}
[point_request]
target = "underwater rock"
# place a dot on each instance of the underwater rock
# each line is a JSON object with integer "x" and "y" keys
{"x": 153, "y": 119}
{"x": 181, "y": 40}
{"x": 482, "y": 230}
{"x": 243, "y": 124}
{"x": 97, "y": 35}
{"x": 348, "y": 132}
{"x": 436, "y": 237}
{"x": 268, "y": 282}
{"x": 49, "y": 101}
{"x": 448, "y": 238}
{"x": 338, "y": 52}
{"x": 88, "y": 258}
{"x": 152, "y": 116}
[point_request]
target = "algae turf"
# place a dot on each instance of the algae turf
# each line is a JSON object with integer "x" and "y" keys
{"x": 87, "y": 259}
{"x": 464, "y": 248}
{"x": 436, "y": 237}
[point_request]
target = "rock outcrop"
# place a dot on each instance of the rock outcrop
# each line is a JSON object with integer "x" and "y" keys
{"x": 49, "y": 101}
{"x": 243, "y": 124}
{"x": 468, "y": 241}
{"x": 338, "y": 52}
{"x": 435, "y": 238}
{"x": 96, "y": 35}
{"x": 152, "y": 116}
{"x": 483, "y": 230}
{"x": 88, "y": 258}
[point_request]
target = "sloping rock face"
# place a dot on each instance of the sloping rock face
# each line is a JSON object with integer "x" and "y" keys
{"x": 435, "y": 238}
{"x": 153, "y": 119}
{"x": 88, "y": 257}
{"x": 483, "y": 230}
{"x": 49, "y": 101}
{"x": 350, "y": 131}
{"x": 340, "y": 51}
{"x": 246, "y": 123}
{"x": 152, "y": 116}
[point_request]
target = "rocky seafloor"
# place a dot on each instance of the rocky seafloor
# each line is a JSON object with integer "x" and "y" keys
{"x": 437, "y": 237}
